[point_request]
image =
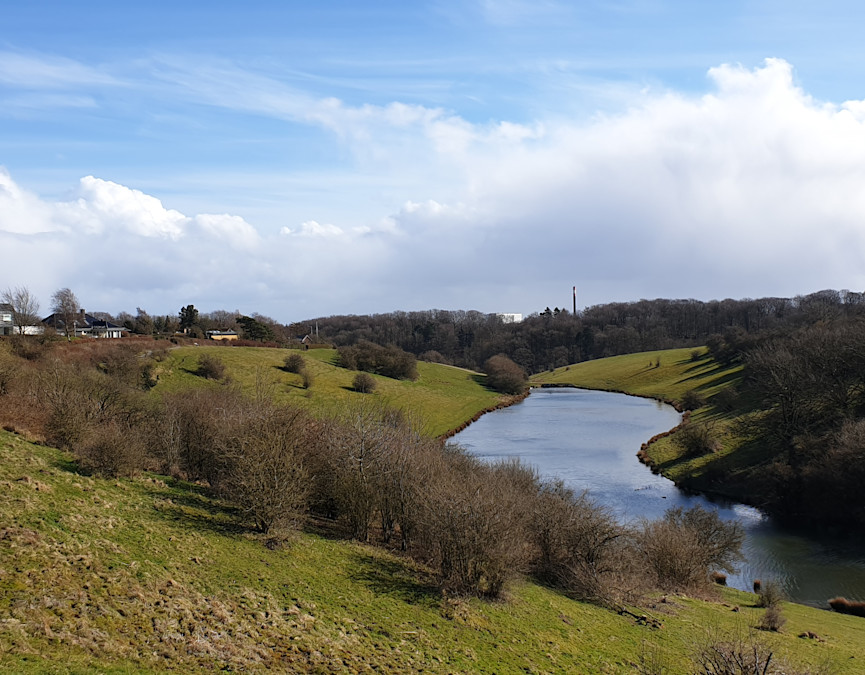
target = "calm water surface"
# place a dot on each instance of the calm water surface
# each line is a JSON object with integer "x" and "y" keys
{"x": 589, "y": 439}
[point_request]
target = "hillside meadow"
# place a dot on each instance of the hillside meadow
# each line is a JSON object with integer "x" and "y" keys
{"x": 441, "y": 399}
{"x": 151, "y": 575}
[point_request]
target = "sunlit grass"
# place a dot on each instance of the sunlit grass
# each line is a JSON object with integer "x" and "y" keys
{"x": 441, "y": 399}
{"x": 149, "y": 574}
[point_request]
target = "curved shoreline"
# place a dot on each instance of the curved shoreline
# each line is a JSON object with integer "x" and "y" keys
{"x": 509, "y": 401}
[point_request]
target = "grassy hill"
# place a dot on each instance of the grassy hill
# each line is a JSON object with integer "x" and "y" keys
{"x": 443, "y": 397}
{"x": 666, "y": 374}
{"x": 669, "y": 375}
{"x": 153, "y": 575}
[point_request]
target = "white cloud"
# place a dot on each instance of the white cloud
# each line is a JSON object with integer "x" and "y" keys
{"x": 312, "y": 228}
{"x": 106, "y": 205}
{"x": 49, "y": 72}
{"x": 754, "y": 188}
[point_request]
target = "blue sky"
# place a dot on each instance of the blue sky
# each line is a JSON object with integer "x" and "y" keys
{"x": 305, "y": 159}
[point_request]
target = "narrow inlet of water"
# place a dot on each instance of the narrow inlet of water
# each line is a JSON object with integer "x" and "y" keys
{"x": 589, "y": 439}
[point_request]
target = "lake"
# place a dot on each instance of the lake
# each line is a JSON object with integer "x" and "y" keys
{"x": 590, "y": 439}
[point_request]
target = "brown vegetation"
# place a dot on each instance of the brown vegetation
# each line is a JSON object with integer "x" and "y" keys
{"x": 368, "y": 470}
{"x": 505, "y": 376}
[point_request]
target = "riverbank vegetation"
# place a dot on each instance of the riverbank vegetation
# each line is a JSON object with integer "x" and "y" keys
{"x": 777, "y": 418}
{"x": 152, "y": 573}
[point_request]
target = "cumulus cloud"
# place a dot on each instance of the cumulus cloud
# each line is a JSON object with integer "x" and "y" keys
{"x": 753, "y": 188}
{"x": 312, "y": 228}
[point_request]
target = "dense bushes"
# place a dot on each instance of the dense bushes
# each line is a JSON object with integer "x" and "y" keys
{"x": 505, "y": 376}
{"x": 682, "y": 549}
{"x": 390, "y": 361}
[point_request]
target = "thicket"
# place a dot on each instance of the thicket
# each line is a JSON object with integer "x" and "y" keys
{"x": 505, "y": 376}
{"x": 368, "y": 470}
{"x": 807, "y": 392}
{"x": 390, "y": 360}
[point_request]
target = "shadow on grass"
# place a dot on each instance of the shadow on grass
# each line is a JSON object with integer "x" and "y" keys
{"x": 395, "y": 578}
{"x": 194, "y": 507}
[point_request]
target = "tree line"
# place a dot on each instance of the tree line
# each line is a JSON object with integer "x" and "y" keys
{"x": 555, "y": 338}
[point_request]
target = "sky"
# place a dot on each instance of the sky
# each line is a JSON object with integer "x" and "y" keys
{"x": 304, "y": 159}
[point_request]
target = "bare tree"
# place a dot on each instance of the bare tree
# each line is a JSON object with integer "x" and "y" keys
{"x": 25, "y": 306}
{"x": 64, "y": 304}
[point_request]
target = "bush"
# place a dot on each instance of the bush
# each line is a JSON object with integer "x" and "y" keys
{"x": 773, "y": 619}
{"x": 390, "y": 361}
{"x": 308, "y": 379}
{"x": 691, "y": 400}
{"x": 363, "y": 383}
{"x": 113, "y": 449}
{"x": 9, "y": 368}
{"x": 31, "y": 347}
{"x": 505, "y": 376}
{"x": 695, "y": 439}
{"x": 294, "y": 363}
{"x": 770, "y": 594}
{"x": 580, "y": 546}
{"x": 262, "y": 468}
{"x": 473, "y": 520}
{"x": 681, "y": 550}
{"x": 845, "y": 606}
{"x": 210, "y": 367}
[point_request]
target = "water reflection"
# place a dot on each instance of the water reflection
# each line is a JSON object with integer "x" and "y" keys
{"x": 589, "y": 439}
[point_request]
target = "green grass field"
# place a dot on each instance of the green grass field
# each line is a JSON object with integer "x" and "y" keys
{"x": 665, "y": 374}
{"x": 152, "y": 575}
{"x": 441, "y": 399}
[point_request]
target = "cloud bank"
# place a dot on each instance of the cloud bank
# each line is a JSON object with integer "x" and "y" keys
{"x": 751, "y": 189}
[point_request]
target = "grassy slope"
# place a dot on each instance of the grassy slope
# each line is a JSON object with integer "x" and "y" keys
{"x": 637, "y": 374}
{"x": 443, "y": 397}
{"x": 149, "y": 575}
{"x": 677, "y": 374}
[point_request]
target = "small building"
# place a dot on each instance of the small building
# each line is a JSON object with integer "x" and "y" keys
{"x": 6, "y": 322}
{"x": 222, "y": 335}
{"x": 510, "y": 318}
{"x": 85, "y": 325}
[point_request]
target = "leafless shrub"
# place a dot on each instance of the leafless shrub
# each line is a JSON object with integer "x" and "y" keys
{"x": 187, "y": 428}
{"x": 262, "y": 466}
{"x": 726, "y": 399}
{"x": 734, "y": 655}
{"x": 77, "y": 399}
{"x": 473, "y": 522}
{"x": 695, "y": 439}
{"x": 294, "y": 363}
{"x": 503, "y": 375}
{"x": 9, "y": 369}
{"x": 363, "y": 383}
{"x": 580, "y": 546}
{"x": 113, "y": 449}
{"x": 770, "y": 594}
{"x": 211, "y": 367}
{"x": 681, "y": 549}
{"x": 31, "y": 347}
{"x": 691, "y": 400}
{"x": 773, "y": 619}
{"x": 307, "y": 378}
